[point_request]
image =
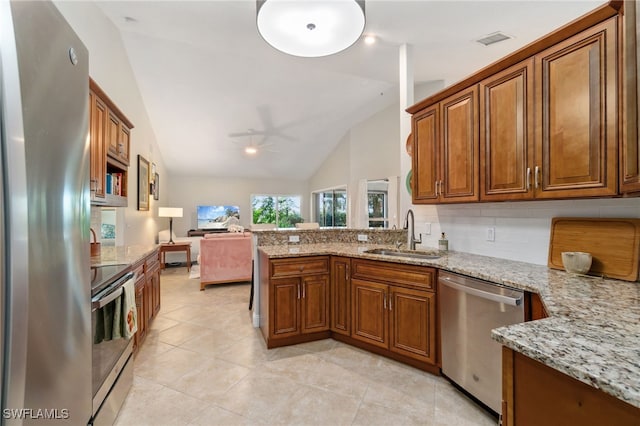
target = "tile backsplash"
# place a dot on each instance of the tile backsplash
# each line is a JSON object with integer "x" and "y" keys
{"x": 521, "y": 229}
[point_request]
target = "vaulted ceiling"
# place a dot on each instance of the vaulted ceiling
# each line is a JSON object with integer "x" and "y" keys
{"x": 212, "y": 85}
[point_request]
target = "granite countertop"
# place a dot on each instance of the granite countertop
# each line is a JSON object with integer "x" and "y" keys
{"x": 122, "y": 255}
{"x": 593, "y": 330}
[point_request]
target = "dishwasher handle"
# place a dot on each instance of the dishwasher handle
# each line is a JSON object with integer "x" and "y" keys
{"x": 493, "y": 296}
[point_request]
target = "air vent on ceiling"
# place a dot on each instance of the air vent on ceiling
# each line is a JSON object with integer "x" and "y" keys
{"x": 493, "y": 38}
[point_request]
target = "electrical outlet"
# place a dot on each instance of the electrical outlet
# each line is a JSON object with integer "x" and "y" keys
{"x": 427, "y": 228}
{"x": 491, "y": 234}
{"x": 294, "y": 239}
{"x": 363, "y": 237}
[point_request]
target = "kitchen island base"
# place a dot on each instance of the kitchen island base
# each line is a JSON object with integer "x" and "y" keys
{"x": 535, "y": 394}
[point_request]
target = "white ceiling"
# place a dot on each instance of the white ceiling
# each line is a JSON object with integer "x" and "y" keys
{"x": 204, "y": 73}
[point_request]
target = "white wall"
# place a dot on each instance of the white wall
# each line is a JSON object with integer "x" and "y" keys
{"x": 367, "y": 151}
{"x": 109, "y": 66}
{"x": 190, "y": 191}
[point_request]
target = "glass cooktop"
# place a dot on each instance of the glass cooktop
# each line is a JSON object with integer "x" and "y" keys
{"x": 101, "y": 276}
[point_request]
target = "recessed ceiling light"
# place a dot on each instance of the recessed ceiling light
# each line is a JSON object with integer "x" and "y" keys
{"x": 251, "y": 150}
{"x": 369, "y": 39}
{"x": 310, "y": 28}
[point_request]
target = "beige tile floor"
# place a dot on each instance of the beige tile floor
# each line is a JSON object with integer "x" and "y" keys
{"x": 204, "y": 364}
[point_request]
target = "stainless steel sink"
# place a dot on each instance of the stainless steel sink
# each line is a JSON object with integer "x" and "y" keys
{"x": 403, "y": 253}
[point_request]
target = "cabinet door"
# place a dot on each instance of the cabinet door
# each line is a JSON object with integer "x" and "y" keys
{"x": 155, "y": 288}
{"x": 113, "y": 134}
{"x": 285, "y": 307}
{"x": 148, "y": 298}
{"x": 340, "y": 295}
{"x": 314, "y": 303}
{"x": 412, "y": 323}
{"x": 577, "y": 115}
{"x": 506, "y": 134}
{"x": 124, "y": 137}
{"x": 97, "y": 121}
{"x": 426, "y": 142}
{"x": 459, "y": 152}
{"x": 369, "y": 312}
{"x": 630, "y": 145}
{"x": 142, "y": 329}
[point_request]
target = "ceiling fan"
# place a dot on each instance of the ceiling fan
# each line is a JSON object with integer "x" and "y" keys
{"x": 252, "y": 147}
{"x": 269, "y": 131}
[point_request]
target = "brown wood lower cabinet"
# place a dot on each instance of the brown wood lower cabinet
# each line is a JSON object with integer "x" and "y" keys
{"x": 340, "y": 294}
{"x": 369, "y": 313}
{"x": 147, "y": 295}
{"x": 388, "y": 308}
{"x": 412, "y": 330}
{"x": 296, "y": 295}
{"x": 395, "y": 318}
{"x": 534, "y": 394}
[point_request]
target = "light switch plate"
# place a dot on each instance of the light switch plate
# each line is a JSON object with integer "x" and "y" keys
{"x": 294, "y": 238}
{"x": 363, "y": 237}
{"x": 427, "y": 228}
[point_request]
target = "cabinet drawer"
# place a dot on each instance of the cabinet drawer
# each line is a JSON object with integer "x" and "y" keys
{"x": 421, "y": 277}
{"x": 138, "y": 269}
{"x": 299, "y": 266}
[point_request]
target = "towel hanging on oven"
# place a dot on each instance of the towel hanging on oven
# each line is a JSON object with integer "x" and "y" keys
{"x": 117, "y": 319}
{"x": 129, "y": 311}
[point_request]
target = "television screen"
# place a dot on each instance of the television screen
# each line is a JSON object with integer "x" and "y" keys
{"x": 217, "y": 217}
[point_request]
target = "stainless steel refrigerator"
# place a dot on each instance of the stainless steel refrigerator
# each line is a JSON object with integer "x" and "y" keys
{"x": 45, "y": 316}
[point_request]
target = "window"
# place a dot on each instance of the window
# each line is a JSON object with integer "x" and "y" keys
{"x": 378, "y": 203}
{"x": 331, "y": 207}
{"x": 283, "y": 210}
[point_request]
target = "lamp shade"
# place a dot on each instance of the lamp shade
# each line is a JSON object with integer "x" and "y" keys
{"x": 310, "y": 28}
{"x": 170, "y": 212}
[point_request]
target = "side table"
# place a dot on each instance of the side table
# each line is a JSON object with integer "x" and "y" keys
{"x": 181, "y": 246}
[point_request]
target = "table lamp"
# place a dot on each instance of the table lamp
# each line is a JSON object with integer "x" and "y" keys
{"x": 170, "y": 212}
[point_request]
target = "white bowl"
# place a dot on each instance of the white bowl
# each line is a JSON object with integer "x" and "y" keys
{"x": 576, "y": 262}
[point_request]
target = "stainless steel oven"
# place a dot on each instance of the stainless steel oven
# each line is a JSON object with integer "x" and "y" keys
{"x": 112, "y": 363}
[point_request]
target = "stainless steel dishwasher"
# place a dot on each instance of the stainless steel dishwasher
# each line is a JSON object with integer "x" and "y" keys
{"x": 469, "y": 310}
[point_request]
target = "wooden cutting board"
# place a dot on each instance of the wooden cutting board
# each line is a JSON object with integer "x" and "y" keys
{"x": 613, "y": 243}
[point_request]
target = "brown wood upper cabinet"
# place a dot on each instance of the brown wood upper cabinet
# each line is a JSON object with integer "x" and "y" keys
{"x": 506, "y": 134}
{"x": 445, "y": 159}
{"x": 577, "y": 115}
{"x": 630, "y": 146}
{"x": 98, "y": 164}
{"x": 570, "y": 150}
{"x": 109, "y": 132}
{"x": 118, "y": 138}
{"x": 556, "y": 119}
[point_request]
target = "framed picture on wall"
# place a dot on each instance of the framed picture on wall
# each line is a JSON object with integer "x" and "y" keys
{"x": 143, "y": 183}
{"x": 156, "y": 187}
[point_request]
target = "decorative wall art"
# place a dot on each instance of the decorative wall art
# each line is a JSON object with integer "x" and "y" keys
{"x": 156, "y": 187}
{"x": 143, "y": 183}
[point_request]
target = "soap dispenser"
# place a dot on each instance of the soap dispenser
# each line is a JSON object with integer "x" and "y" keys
{"x": 443, "y": 243}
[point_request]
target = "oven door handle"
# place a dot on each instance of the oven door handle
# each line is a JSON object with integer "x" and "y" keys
{"x": 111, "y": 293}
{"x": 99, "y": 303}
{"x": 513, "y": 301}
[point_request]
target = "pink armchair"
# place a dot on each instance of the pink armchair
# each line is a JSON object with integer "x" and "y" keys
{"x": 225, "y": 258}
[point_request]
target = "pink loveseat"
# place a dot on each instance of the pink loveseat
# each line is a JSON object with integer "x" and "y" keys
{"x": 225, "y": 258}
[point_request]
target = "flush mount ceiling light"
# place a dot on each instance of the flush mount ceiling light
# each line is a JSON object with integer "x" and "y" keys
{"x": 310, "y": 28}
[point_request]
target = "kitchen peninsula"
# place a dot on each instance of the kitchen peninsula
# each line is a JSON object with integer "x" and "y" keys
{"x": 591, "y": 334}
